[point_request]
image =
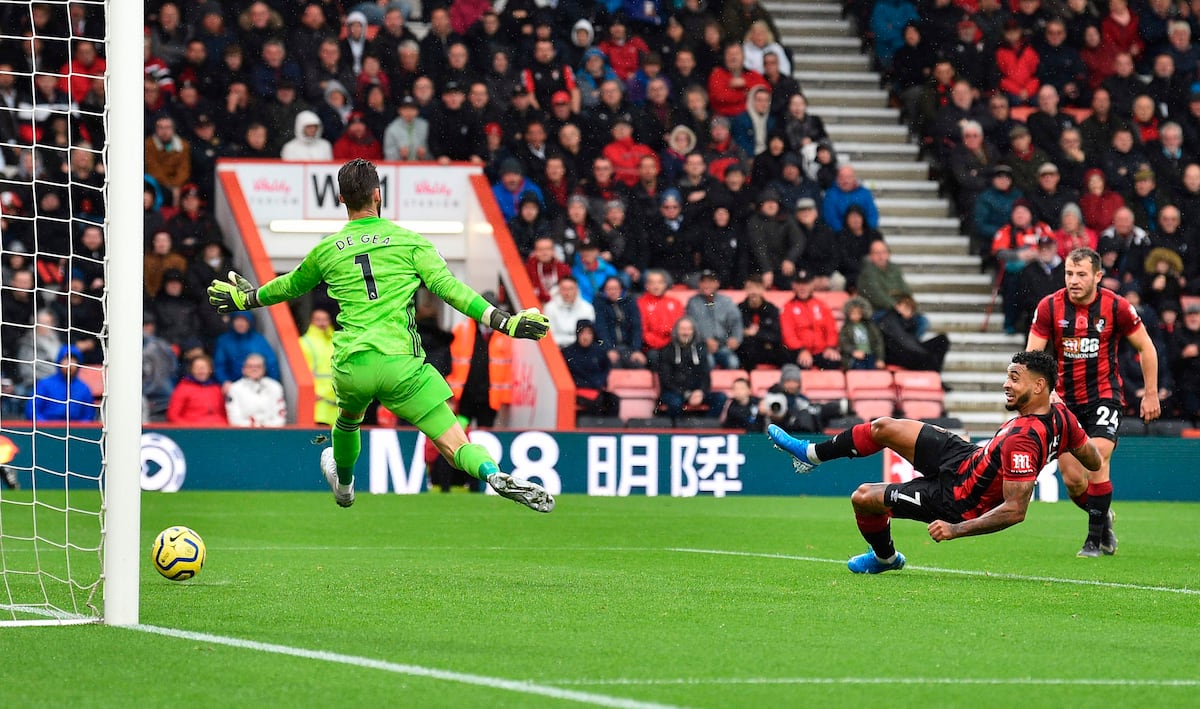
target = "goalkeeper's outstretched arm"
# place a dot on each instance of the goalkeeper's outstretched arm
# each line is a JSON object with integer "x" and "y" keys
{"x": 528, "y": 324}
{"x": 240, "y": 294}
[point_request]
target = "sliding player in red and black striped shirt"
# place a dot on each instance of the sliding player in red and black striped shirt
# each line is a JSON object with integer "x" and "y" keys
{"x": 966, "y": 489}
{"x": 1084, "y": 324}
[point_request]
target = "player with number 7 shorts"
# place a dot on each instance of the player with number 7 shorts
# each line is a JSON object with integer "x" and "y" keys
{"x": 374, "y": 268}
{"x": 1083, "y": 324}
{"x": 966, "y": 489}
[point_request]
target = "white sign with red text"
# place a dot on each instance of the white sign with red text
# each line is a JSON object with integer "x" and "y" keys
{"x": 282, "y": 190}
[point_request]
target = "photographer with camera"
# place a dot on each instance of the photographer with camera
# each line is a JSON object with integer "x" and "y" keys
{"x": 787, "y": 408}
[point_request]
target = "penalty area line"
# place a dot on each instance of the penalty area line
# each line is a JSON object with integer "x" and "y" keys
{"x": 959, "y": 572}
{"x": 1013, "y": 681}
{"x": 519, "y": 686}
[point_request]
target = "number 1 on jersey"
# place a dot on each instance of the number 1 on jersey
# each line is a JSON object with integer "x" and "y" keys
{"x": 364, "y": 262}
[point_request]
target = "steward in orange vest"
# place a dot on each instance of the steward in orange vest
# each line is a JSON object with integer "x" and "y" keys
{"x": 469, "y": 378}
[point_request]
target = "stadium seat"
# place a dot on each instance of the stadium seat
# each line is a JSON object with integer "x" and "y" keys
{"x": 873, "y": 408}
{"x": 872, "y": 392}
{"x": 632, "y": 380}
{"x": 94, "y": 378}
{"x": 922, "y": 409}
{"x": 650, "y": 422}
{"x": 1021, "y": 113}
{"x": 631, "y": 408}
{"x": 637, "y": 391}
{"x": 841, "y": 423}
{"x": 1132, "y": 426}
{"x": 920, "y": 394}
{"x": 823, "y": 384}
{"x": 599, "y": 422}
{"x": 835, "y": 299}
{"x": 723, "y": 379}
{"x": 763, "y": 379}
{"x": 870, "y": 384}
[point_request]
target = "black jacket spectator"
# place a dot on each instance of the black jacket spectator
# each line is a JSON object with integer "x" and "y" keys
{"x": 762, "y": 342}
{"x": 454, "y": 134}
{"x": 901, "y": 345}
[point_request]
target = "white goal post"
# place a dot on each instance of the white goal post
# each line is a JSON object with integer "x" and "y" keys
{"x": 70, "y": 520}
{"x": 122, "y": 413}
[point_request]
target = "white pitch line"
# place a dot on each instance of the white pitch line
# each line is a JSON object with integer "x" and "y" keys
{"x": 960, "y": 572}
{"x": 522, "y": 687}
{"x": 759, "y": 555}
{"x": 1017, "y": 681}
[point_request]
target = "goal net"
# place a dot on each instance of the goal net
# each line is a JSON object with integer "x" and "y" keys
{"x": 64, "y": 285}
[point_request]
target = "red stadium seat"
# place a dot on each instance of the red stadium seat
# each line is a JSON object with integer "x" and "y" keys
{"x": 1021, "y": 113}
{"x": 921, "y": 394}
{"x": 723, "y": 379}
{"x": 637, "y": 390}
{"x": 918, "y": 409}
{"x": 835, "y": 299}
{"x": 630, "y": 379}
{"x": 823, "y": 384}
{"x": 636, "y": 408}
{"x": 867, "y": 409}
{"x": 94, "y": 378}
{"x": 763, "y": 379}
{"x": 872, "y": 392}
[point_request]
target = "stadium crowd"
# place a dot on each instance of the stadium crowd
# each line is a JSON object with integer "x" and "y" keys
{"x": 634, "y": 147}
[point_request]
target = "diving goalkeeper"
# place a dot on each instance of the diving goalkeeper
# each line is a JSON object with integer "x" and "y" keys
{"x": 373, "y": 269}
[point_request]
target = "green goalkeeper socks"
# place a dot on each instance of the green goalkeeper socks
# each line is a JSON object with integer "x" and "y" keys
{"x": 346, "y": 446}
{"x": 474, "y": 459}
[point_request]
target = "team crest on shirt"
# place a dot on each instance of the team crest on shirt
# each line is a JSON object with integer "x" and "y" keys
{"x": 1100, "y": 325}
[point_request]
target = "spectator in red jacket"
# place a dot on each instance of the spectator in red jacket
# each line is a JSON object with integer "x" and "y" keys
{"x": 810, "y": 332}
{"x": 729, "y": 85}
{"x": 84, "y": 66}
{"x": 1018, "y": 63}
{"x": 625, "y": 153}
{"x": 1098, "y": 203}
{"x": 624, "y": 52}
{"x": 545, "y": 269}
{"x": 198, "y": 399}
{"x": 357, "y": 141}
{"x": 659, "y": 311}
{"x": 1119, "y": 29}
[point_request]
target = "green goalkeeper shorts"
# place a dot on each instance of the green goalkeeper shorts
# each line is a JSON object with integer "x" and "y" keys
{"x": 404, "y": 384}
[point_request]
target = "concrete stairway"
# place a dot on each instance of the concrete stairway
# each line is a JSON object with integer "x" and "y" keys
{"x": 925, "y": 239}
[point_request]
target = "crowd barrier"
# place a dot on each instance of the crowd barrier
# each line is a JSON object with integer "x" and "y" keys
{"x": 598, "y": 463}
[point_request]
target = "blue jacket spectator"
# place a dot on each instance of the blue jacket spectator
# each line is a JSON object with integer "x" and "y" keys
{"x": 619, "y": 324}
{"x": 993, "y": 208}
{"x": 591, "y": 271}
{"x": 589, "y": 77}
{"x": 752, "y": 128}
{"x": 586, "y": 359}
{"x": 845, "y": 191}
{"x": 887, "y": 25}
{"x": 63, "y": 395}
{"x": 512, "y": 185}
{"x": 274, "y": 68}
{"x": 233, "y": 346}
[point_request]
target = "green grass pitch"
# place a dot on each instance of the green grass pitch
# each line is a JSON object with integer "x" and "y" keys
{"x": 625, "y": 601}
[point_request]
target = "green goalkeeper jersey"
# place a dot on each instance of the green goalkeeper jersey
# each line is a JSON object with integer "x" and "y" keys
{"x": 374, "y": 269}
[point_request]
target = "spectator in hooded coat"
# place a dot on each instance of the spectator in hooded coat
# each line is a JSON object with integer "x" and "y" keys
{"x": 62, "y": 396}
{"x": 234, "y": 346}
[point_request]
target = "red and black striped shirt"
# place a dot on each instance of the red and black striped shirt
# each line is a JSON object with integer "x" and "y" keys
{"x": 1018, "y": 452}
{"x": 1084, "y": 339}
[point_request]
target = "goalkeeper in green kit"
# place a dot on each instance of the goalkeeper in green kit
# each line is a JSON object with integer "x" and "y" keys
{"x": 373, "y": 269}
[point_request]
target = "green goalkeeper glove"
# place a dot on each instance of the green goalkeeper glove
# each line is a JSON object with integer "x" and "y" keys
{"x": 528, "y": 324}
{"x": 237, "y": 294}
